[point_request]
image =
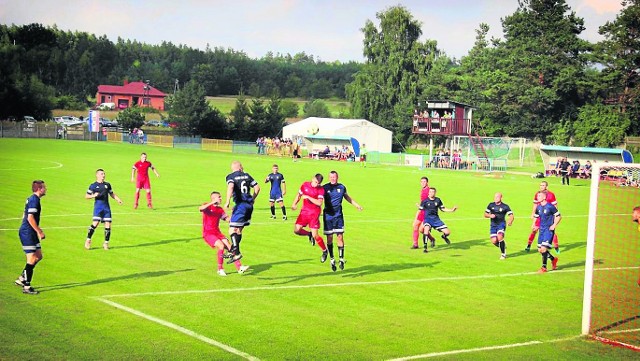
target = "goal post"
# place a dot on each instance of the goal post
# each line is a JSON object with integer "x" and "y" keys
{"x": 611, "y": 301}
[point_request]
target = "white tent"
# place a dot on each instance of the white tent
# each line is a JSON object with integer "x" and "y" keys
{"x": 320, "y": 132}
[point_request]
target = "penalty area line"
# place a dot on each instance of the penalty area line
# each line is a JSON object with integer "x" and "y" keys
{"x": 481, "y": 349}
{"x": 180, "y": 329}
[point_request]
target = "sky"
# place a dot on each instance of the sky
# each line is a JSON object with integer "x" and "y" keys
{"x": 327, "y": 29}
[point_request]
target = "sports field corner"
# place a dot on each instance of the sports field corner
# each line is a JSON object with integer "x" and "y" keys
{"x": 155, "y": 294}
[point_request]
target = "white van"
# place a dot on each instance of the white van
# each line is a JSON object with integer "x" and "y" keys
{"x": 107, "y": 106}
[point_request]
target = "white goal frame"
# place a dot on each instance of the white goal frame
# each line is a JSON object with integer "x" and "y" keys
{"x": 591, "y": 238}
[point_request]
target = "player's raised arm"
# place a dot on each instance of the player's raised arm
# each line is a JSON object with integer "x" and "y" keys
{"x": 295, "y": 201}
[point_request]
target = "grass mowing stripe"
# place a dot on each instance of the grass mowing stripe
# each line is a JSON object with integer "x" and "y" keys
{"x": 180, "y": 329}
{"x": 273, "y": 288}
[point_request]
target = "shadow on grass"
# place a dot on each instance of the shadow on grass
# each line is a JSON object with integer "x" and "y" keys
{"x": 132, "y": 276}
{"x": 352, "y": 272}
{"x": 194, "y": 206}
{"x": 151, "y": 244}
{"x": 462, "y": 245}
{"x": 266, "y": 266}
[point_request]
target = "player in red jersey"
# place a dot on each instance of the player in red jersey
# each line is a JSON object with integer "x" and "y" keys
{"x": 551, "y": 199}
{"x": 424, "y": 194}
{"x": 212, "y": 213}
{"x": 636, "y": 218}
{"x": 142, "y": 181}
{"x": 312, "y": 195}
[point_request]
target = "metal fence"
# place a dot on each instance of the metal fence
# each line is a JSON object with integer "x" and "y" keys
{"x": 26, "y": 130}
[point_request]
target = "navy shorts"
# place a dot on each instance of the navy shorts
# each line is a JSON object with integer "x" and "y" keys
{"x": 545, "y": 236}
{"x": 275, "y": 196}
{"x": 30, "y": 241}
{"x": 434, "y": 222}
{"x": 497, "y": 228}
{"x": 241, "y": 215}
{"x": 333, "y": 224}
{"x": 101, "y": 213}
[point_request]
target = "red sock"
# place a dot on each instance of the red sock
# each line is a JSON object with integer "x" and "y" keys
{"x": 415, "y": 237}
{"x": 555, "y": 241}
{"x": 149, "y": 198}
{"x": 320, "y": 243}
{"x": 532, "y": 236}
{"x": 137, "y": 197}
{"x": 303, "y": 232}
{"x": 220, "y": 254}
{"x": 238, "y": 264}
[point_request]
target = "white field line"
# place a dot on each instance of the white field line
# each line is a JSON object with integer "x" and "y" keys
{"x": 385, "y": 220}
{"x": 480, "y": 349}
{"x": 620, "y": 331}
{"x": 58, "y": 165}
{"x": 345, "y": 284}
{"x": 180, "y": 329}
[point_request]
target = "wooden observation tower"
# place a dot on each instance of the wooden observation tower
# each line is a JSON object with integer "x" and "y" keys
{"x": 448, "y": 118}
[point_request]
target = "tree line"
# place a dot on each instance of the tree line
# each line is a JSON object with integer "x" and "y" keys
{"x": 44, "y": 67}
{"x": 540, "y": 80}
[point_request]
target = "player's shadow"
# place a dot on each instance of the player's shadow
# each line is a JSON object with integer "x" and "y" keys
{"x": 534, "y": 250}
{"x": 579, "y": 264}
{"x": 133, "y": 276}
{"x": 151, "y": 244}
{"x": 462, "y": 245}
{"x": 266, "y": 266}
{"x": 351, "y": 272}
{"x": 194, "y": 206}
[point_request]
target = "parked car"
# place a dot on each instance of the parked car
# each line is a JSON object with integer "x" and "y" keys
{"x": 68, "y": 120}
{"x": 106, "y": 122}
{"x": 107, "y": 106}
{"x": 29, "y": 120}
{"x": 154, "y": 123}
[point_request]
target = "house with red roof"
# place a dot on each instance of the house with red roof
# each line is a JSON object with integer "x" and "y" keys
{"x": 131, "y": 94}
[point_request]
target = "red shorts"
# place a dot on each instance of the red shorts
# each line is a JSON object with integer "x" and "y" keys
{"x": 212, "y": 238}
{"x": 309, "y": 219}
{"x": 143, "y": 183}
{"x": 420, "y": 217}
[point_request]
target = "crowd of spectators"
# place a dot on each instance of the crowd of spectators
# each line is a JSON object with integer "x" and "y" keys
{"x": 451, "y": 160}
{"x": 343, "y": 153}
{"x": 278, "y": 146}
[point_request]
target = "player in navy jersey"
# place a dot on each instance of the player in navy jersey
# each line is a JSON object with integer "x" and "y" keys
{"x": 431, "y": 206}
{"x": 278, "y": 190}
{"x": 549, "y": 218}
{"x": 239, "y": 186}
{"x": 332, "y": 217}
{"x": 498, "y": 212}
{"x": 30, "y": 235}
{"x": 100, "y": 191}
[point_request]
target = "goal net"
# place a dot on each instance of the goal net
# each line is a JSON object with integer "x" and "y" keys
{"x": 611, "y": 305}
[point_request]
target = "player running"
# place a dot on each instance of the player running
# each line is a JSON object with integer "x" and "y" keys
{"x": 239, "y": 185}
{"x": 430, "y": 206}
{"x": 312, "y": 195}
{"x": 549, "y": 217}
{"x": 551, "y": 198}
{"x": 497, "y": 212}
{"x": 100, "y": 191}
{"x": 142, "y": 181}
{"x": 278, "y": 190}
{"x": 30, "y": 235}
{"x": 212, "y": 213}
{"x": 424, "y": 194}
{"x": 332, "y": 217}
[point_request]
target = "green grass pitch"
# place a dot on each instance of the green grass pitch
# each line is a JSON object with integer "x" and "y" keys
{"x": 156, "y": 295}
